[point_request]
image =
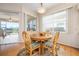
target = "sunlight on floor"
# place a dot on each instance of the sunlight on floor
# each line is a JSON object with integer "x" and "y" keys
{"x": 12, "y": 38}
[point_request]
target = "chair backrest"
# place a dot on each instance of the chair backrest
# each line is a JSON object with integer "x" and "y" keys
{"x": 27, "y": 39}
{"x": 55, "y": 40}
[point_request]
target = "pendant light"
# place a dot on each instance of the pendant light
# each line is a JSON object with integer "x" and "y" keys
{"x": 10, "y": 19}
{"x": 41, "y": 10}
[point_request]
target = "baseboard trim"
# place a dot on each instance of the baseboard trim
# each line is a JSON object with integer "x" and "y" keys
{"x": 68, "y": 46}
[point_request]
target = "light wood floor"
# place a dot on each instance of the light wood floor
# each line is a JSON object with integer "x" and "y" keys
{"x": 10, "y": 49}
{"x": 70, "y": 51}
{"x": 13, "y": 49}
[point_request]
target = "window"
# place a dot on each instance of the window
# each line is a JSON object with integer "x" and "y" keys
{"x": 55, "y": 22}
{"x": 31, "y": 23}
{"x": 9, "y": 31}
{"x": 10, "y": 27}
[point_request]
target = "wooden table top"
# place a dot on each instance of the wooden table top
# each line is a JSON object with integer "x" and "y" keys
{"x": 41, "y": 38}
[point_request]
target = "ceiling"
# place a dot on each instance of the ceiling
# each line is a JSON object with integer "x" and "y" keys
{"x": 4, "y": 7}
{"x": 35, "y": 6}
{"x": 16, "y": 7}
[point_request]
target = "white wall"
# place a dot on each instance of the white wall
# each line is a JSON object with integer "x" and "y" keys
{"x": 71, "y": 37}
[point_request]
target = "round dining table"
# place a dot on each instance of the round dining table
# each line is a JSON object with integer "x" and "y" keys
{"x": 41, "y": 39}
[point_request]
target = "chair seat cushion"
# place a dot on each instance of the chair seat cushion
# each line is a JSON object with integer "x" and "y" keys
{"x": 48, "y": 43}
{"x": 35, "y": 44}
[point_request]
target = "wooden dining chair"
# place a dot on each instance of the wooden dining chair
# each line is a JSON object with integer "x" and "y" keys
{"x": 52, "y": 46}
{"x": 29, "y": 45}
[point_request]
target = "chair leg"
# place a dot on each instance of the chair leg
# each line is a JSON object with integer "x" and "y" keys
{"x": 56, "y": 53}
{"x": 30, "y": 52}
{"x": 42, "y": 49}
{"x": 39, "y": 51}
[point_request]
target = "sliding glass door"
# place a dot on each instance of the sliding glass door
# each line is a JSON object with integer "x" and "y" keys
{"x": 9, "y": 32}
{"x": 9, "y": 27}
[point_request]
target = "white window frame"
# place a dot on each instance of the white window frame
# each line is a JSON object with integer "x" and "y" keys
{"x": 66, "y": 19}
